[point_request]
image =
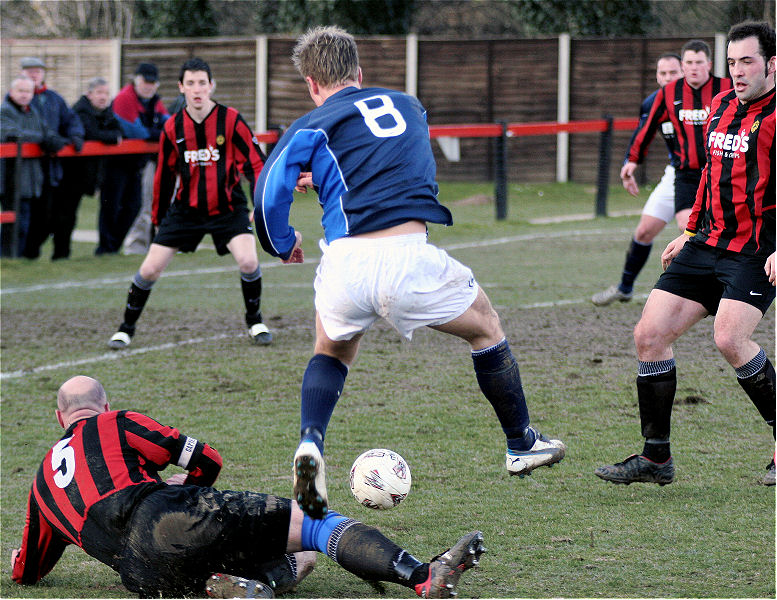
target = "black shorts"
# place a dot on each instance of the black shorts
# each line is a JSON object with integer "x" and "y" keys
{"x": 686, "y": 183}
{"x": 184, "y": 229}
{"x": 705, "y": 275}
{"x": 181, "y": 534}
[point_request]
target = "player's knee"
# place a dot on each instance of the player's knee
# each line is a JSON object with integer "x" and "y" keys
{"x": 647, "y": 338}
{"x": 645, "y": 234}
{"x": 247, "y": 264}
{"x": 728, "y": 343}
{"x": 151, "y": 270}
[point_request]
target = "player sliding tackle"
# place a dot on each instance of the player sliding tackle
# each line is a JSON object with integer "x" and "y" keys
{"x": 372, "y": 165}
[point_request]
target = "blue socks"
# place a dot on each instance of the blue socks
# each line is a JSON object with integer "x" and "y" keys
{"x": 317, "y": 533}
{"x": 322, "y": 385}
{"x": 500, "y": 381}
{"x": 636, "y": 257}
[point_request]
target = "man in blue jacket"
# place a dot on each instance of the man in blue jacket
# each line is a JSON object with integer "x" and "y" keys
{"x": 371, "y": 162}
{"x": 64, "y": 122}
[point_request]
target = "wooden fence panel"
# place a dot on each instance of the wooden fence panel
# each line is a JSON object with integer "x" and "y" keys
{"x": 459, "y": 81}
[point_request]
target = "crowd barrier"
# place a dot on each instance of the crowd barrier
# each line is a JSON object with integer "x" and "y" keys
{"x": 500, "y": 131}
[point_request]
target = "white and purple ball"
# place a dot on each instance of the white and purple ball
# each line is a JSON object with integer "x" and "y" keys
{"x": 380, "y": 478}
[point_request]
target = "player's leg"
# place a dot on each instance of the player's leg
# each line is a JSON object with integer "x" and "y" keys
{"x": 665, "y": 318}
{"x": 681, "y": 218}
{"x": 657, "y": 212}
{"x": 499, "y": 379}
{"x": 734, "y": 326}
{"x": 155, "y": 262}
{"x": 745, "y": 300}
{"x": 367, "y": 553}
{"x": 322, "y": 384}
{"x": 342, "y": 317}
{"x": 243, "y": 249}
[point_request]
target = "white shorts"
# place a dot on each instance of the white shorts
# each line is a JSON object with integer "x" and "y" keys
{"x": 403, "y": 279}
{"x": 660, "y": 204}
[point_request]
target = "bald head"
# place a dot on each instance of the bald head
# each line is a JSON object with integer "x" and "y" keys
{"x": 81, "y": 393}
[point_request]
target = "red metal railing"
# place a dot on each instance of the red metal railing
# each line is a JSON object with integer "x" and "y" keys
{"x": 604, "y": 126}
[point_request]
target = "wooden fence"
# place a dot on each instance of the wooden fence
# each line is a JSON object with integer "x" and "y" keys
{"x": 458, "y": 81}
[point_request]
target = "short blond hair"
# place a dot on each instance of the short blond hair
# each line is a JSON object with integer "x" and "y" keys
{"x": 327, "y": 55}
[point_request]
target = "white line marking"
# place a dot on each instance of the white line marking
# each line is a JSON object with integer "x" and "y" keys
{"x": 113, "y": 355}
{"x": 89, "y": 283}
{"x": 116, "y": 355}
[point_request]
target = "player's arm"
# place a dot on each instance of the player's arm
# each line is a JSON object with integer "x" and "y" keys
{"x": 275, "y": 190}
{"x": 249, "y": 157}
{"x": 673, "y": 248}
{"x": 641, "y": 141}
{"x": 769, "y": 269}
{"x": 161, "y": 446}
{"x": 40, "y": 550}
{"x": 164, "y": 177}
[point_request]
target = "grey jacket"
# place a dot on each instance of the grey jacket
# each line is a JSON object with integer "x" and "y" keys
{"x": 26, "y": 125}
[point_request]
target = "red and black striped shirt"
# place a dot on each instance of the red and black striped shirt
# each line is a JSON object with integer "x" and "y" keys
{"x": 200, "y": 163}
{"x": 687, "y": 108}
{"x": 735, "y": 203}
{"x": 97, "y": 459}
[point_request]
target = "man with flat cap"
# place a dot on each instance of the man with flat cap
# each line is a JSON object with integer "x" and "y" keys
{"x": 62, "y": 120}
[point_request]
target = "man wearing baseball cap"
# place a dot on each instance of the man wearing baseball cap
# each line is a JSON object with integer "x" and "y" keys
{"x": 141, "y": 115}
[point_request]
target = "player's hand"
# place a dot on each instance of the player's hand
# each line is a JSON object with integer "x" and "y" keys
{"x": 176, "y": 479}
{"x": 672, "y": 250}
{"x": 14, "y": 554}
{"x": 297, "y": 255}
{"x": 304, "y": 181}
{"x": 628, "y": 180}
{"x": 770, "y": 269}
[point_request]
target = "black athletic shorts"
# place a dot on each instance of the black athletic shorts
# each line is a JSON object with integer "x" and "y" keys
{"x": 182, "y": 534}
{"x": 183, "y": 228}
{"x": 686, "y": 182}
{"x": 705, "y": 275}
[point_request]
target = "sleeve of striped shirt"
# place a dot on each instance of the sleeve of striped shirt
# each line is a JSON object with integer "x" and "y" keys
{"x": 41, "y": 547}
{"x": 701, "y": 201}
{"x": 161, "y": 445}
{"x": 249, "y": 156}
{"x": 640, "y": 142}
{"x": 165, "y": 177}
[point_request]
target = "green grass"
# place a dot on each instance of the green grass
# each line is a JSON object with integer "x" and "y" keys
{"x": 560, "y": 533}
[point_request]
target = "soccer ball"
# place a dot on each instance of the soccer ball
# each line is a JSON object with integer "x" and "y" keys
{"x": 380, "y": 479}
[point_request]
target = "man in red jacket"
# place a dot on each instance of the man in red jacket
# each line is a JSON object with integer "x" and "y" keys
{"x": 99, "y": 488}
{"x": 724, "y": 263}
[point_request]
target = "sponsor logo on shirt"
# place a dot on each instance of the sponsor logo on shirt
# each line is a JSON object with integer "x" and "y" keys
{"x": 203, "y": 156}
{"x": 696, "y": 116}
{"x": 728, "y": 145}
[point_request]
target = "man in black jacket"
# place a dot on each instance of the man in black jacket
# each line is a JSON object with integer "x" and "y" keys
{"x": 83, "y": 175}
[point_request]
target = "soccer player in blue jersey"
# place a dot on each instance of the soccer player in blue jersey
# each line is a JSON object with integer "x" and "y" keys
{"x": 371, "y": 162}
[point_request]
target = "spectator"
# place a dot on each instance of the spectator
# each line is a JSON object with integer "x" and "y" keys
{"x": 64, "y": 122}
{"x": 19, "y": 121}
{"x": 84, "y": 175}
{"x": 141, "y": 115}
